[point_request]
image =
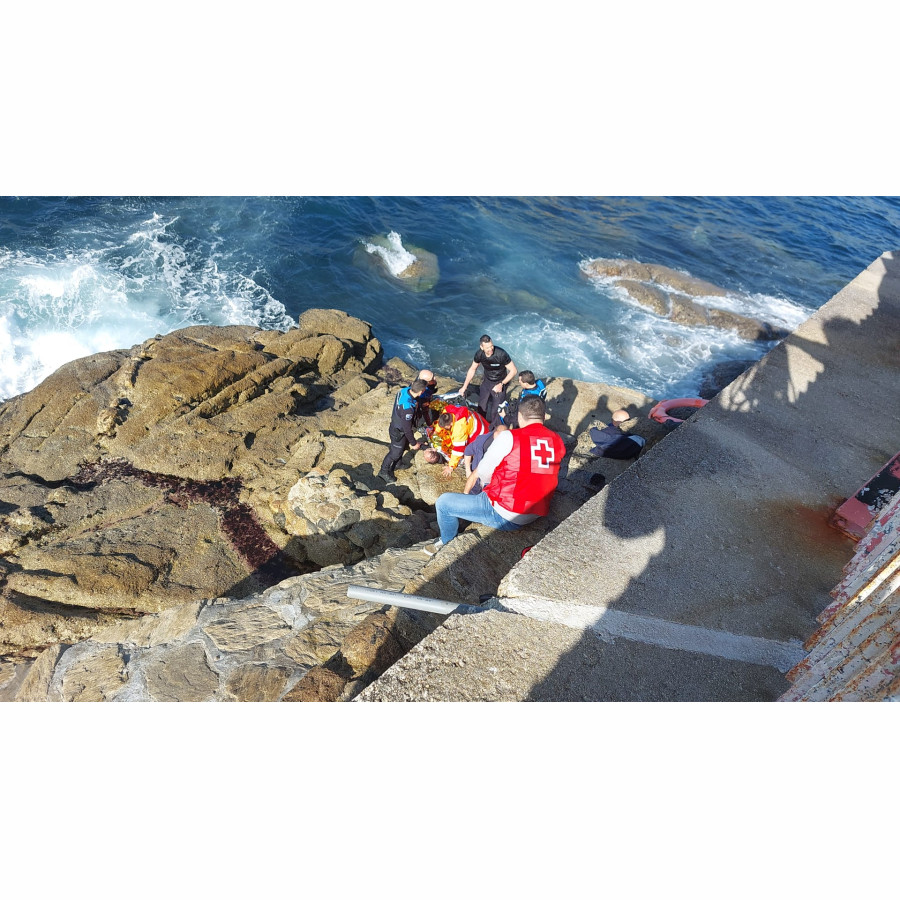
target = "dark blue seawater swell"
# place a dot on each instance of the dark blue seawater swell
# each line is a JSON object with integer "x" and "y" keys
{"x": 508, "y": 265}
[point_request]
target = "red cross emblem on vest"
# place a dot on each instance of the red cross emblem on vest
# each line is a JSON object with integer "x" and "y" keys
{"x": 542, "y": 453}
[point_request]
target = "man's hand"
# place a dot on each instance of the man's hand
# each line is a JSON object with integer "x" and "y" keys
{"x": 415, "y": 446}
{"x": 447, "y": 471}
{"x": 499, "y": 387}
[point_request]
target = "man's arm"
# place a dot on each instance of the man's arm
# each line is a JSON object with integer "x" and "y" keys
{"x": 469, "y": 376}
{"x": 511, "y": 372}
{"x": 501, "y": 446}
{"x": 470, "y": 482}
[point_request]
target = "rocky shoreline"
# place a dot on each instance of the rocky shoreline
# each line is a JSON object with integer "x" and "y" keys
{"x": 180, "y": 520}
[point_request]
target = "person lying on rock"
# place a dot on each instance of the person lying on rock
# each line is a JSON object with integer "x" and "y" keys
{"x": 400, "y": 431}
{"x": 613, "y": 443}
{"x": 499, "y": 371}
{"x": 521, "y": 471}
{"x": 455, "y": 429}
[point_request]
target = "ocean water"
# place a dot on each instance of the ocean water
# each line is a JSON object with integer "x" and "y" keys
{"x": 82, "y": 275}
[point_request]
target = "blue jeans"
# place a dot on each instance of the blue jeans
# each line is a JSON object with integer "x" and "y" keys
{"x": 452, "y": 507}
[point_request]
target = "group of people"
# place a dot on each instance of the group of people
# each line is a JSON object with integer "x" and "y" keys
{"x": 511, "y": 458}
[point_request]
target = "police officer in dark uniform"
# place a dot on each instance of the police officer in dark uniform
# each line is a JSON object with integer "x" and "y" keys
{"x": 400, "y": 430}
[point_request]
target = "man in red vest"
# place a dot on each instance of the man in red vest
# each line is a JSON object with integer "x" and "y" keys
{"x": 521, "y": 471}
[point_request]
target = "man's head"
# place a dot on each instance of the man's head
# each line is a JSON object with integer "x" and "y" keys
{"x": 445, "y": 420}
{"x": 487, "y": 345}
{"x": 417, "y": 387}
{"x": 531, "y": 410}
{"x": 620, "y": 416}
{"x": 426, "y": 375}
{"x": 431, "y": 455}
{"x": 527, "y": 379}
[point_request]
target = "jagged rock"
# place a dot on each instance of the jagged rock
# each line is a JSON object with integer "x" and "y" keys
{"x": 37, "y": 682}
{"x": 151, "y": 631}
{"x": 257, "y": 648}
{"x": 12, "y": 677}
{"x": 633, "y": 270}
{"x": 317, "y": 643}
{"x": 640, "y": 281}
{"x": 138, "y": 480}
{"x": 246, "y": 628}
{"x": 257, "y": 683}
{"x": 183, "y": 673}
{"x": 96, "y": 677}
{"x": 319, "y": 685}
{"x": 371, "y": 645}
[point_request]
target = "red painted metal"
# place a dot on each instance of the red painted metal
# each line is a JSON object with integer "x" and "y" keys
{"x": 855, "y": 514}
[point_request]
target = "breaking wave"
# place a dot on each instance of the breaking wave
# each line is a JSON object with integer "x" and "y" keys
{"x": 59, "y": 305}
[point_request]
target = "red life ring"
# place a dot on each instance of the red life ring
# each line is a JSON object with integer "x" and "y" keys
{"x": 660, "y": 412}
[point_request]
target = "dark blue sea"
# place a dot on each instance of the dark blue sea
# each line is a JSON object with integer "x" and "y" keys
{"x": 81, "y": 275}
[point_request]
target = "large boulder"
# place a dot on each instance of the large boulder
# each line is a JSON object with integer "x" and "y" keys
{"x": 132, "y": 481}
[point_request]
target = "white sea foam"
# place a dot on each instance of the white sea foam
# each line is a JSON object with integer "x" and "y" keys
{"x": 412, "y": 351}
{"x": 775, "y": 310}
{"x": 637, "y": 350}
{"x": 72, "y": 303}
{"x": 396, "y": 257}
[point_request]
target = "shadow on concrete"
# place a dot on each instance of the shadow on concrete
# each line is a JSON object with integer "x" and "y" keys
{"x": 789, "y": 440}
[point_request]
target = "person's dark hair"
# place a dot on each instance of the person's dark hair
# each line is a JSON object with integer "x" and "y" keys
{"x": 532, "y": 408}
{"x": 445, "y": 420}
{"x": 418, "y": 386}
{"x": 527, "y": 376}
{"x": 485, "y": 339}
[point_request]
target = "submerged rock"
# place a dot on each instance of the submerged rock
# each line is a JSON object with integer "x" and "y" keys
{"x": 413, "y": 267}
{"x": 668, "y": 293}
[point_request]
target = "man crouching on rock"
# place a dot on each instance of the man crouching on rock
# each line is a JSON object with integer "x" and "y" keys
{"x": 521, "y": 471}
{"x": 400, "y": 430}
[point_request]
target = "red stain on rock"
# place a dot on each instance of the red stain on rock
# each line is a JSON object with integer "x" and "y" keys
{"x": 238, "y": 521}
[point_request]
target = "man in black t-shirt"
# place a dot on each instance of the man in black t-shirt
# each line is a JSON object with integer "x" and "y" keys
{"x": 499, "y": 370}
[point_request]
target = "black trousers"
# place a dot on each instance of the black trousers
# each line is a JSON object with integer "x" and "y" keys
{"x": 488, "y": 401}
{"x": 399, "y": 443}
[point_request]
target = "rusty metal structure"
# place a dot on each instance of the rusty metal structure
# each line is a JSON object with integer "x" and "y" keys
{"x": 855, "y": 653}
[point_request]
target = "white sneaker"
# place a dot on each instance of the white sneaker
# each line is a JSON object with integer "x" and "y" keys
{"x": 431, "y": 549}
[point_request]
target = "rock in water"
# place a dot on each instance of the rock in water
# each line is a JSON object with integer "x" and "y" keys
{"x": 413, "y": 267}
{"x": 668, "y": 293}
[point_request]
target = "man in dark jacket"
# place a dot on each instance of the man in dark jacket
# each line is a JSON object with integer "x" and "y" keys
{"x": 613, "y": 443}
{"x": 400, "y": 430}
